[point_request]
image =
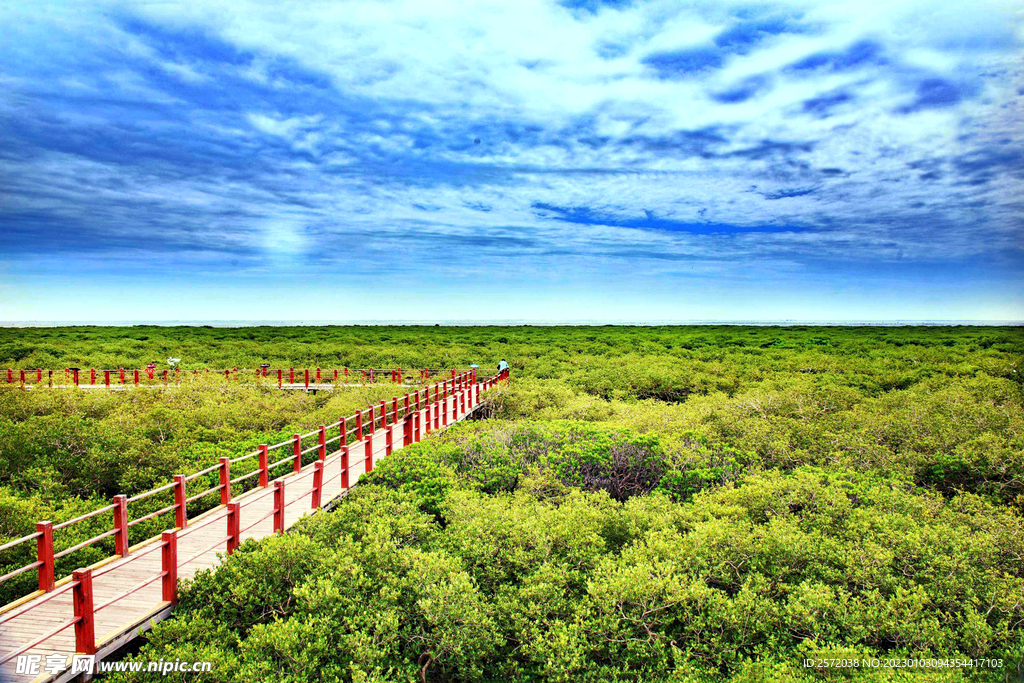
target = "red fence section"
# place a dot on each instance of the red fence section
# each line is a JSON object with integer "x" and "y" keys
{"x": 464, "y": 387}
{"x": 152, "y": 375}
{"x": 415, "y": 411}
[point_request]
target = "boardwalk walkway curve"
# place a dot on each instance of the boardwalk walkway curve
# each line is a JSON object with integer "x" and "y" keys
{"x": 99, "y": 608}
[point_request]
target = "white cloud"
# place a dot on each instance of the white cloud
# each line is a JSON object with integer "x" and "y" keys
{"x": 453, "y": 72}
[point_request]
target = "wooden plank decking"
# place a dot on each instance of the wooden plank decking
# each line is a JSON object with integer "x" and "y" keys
{"x": 124, "y": 618}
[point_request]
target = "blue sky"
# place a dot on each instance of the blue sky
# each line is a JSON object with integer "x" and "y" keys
{"x": 582, "y": 160}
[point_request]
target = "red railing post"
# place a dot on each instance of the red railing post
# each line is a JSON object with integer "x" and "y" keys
{"x": 407, "y": 430}
{"x": 234, "y": 517}
{"x": 373, "y": 420}
{"x": 417, "y": 435}
{"x": 225, "y": 480}
{"x": 120, "y": 374}
{"x": 344, "y": 467}
{"x": 49, "y": 377}
{"x": 169, "y": 566}
{"x": 121, "y": 525}
{"x": 383, "y": 414}
{"x": 106, "y": 377}
{"x": 92, "y": 375}
{"x": 264, "y": 465}
{"x": 39, "y": 375}
{"x": 342, "y": 431}
{"x": 368, "y": 462}
{"x": 322, "y": 442}
{"x": 180, "y": 513}
{"x": 10, "y": 376}
{"x": 227, "y": 375}
{"x": 335, "y": 376}
{"x": 297, "y": 452}
{"x": 389, "y": 440}
{"x": 74, "y": 374}
{"x": 318, "y": 375}
{"x": 346, "y": 374}
{"x": 306, "y": 374}
{"x": 278, "y": 506}
{"x": 437, "y": 407}
{"x": 359, "y": 425}
{"x": 135, "y": 374}
{"x": 444, "y": 412}
{"x": 407, "y": 403}
{"x": 291, "y": 375}
{"x": 44, "y": 554}
{"x": 85, "y": 629}
{"x": 279, "y": 382}
{"x": 394, "y": 409}
{"x": 318, "y": 483}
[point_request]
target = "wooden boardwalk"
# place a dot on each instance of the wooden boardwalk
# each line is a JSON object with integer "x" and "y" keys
{"x": 119, "y": 618}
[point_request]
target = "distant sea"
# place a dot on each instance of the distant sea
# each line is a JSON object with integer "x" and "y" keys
{"x": 506, "y": 323}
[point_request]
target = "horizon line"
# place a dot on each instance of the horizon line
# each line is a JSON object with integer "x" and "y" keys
{"x": 513, "y": 322}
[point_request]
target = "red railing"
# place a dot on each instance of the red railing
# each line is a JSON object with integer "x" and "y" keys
{"x": 152, "y": 375}
{"x": 418, "y": 411}
{"x": 385, "y": 415}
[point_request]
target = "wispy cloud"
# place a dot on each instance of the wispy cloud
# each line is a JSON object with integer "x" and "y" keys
{"x": 757, "y": 140}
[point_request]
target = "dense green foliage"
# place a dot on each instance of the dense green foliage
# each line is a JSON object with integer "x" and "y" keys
{"x": 667, "y": 363}
{"x": 428, "y": 571}
{"x": 646, "y": 504}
